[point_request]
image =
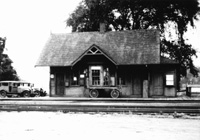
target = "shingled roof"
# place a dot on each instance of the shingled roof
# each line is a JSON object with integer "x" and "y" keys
{"x": 123, "y": 47}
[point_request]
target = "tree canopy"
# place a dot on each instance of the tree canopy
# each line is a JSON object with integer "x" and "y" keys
{"x": 7, "y": 72}
{"x": 171, "y": 17}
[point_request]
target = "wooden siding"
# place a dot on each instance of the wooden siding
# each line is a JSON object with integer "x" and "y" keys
{"x": 157, "y": 81}
{"x": 137, "y": 86}
{"x": 156, "y": 84}
{"x": 170, "y": 91}
{"x": 75, "y": 91}
{"x": 140, "y": 81}
{"x": 52, "y": 87}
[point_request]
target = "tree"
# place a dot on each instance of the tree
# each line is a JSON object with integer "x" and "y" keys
{"x": 171, "y": 17}
{"x": 2, "y": 46}
{"x": 7, "y": 72}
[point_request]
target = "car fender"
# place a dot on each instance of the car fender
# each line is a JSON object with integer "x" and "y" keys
{"x": 21, "y": 89}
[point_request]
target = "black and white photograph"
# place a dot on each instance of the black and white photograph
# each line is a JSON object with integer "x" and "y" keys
{"x": 100, "y": 69}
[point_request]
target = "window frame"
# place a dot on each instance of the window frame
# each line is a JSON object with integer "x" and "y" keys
{"x": 170, "y": 79}
{"x": 74, "y": 75}
{"x": 98, "y": 68}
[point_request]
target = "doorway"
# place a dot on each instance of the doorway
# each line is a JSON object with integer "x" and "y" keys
{"x": 96, "y": 76}
{"x": 157, "y": 84}
{"x": 60, "y": 84}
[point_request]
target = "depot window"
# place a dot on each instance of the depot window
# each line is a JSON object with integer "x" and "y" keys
{"x": 75, "y": 78}
{"x": 170, "y": 80}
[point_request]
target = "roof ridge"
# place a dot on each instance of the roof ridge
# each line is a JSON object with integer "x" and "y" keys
{"x": 135, "y": 30}
{"x": 72, "y": 33}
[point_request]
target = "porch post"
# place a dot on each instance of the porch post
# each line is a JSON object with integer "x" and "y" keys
{"x": 145, "y": 89}
{"x": 116, "y": 76}
{"x": 149, "y": 82}
{"x": 146, "y": 84}
{"x": 50, "y": 82}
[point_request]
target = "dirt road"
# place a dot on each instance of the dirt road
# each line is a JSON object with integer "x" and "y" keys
{"x": 76, "y": 126}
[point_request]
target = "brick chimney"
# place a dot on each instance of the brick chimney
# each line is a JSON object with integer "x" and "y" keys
{"x": 102, "y": 26}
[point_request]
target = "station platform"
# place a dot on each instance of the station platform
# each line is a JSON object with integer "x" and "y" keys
{"x": 142, "y": 105}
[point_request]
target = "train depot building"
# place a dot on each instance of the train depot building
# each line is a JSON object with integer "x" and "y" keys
{"x": 126, "y": 64}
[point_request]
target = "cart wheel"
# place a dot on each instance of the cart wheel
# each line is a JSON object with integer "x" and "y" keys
{"x": 94, "y": 93}
{"x": 115, "y": 93}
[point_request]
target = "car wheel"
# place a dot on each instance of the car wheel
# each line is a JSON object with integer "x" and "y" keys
{"x": 26, "y": 94}
{"x": 3, "y": 94}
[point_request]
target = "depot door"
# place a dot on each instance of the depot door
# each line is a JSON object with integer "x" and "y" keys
{"x": 96, "y": 76}
{"x": 60, "y": 84}
{"x": 157, "y": 84}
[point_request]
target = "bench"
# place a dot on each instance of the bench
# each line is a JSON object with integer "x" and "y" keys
{"x": 193, "y": 90}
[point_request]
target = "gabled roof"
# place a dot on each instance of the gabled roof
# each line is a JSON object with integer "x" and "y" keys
{"x": 123, "y": 47}
{"x": 94, "y": 50}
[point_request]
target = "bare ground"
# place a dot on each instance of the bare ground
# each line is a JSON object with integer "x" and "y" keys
{"x": 100, "y": 126}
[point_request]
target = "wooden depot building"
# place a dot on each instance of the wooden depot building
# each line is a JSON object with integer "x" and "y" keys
{"x": 109, "y": 64}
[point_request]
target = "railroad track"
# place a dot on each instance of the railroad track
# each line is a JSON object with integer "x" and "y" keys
{"x": 149, "y": 105}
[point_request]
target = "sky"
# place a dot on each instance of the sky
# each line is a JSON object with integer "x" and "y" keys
{"x": 27, "y": 24}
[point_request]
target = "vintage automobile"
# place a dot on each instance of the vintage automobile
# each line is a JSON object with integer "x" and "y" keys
{"x": 15, "y": 88}
{"x": 20, "y": 89}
